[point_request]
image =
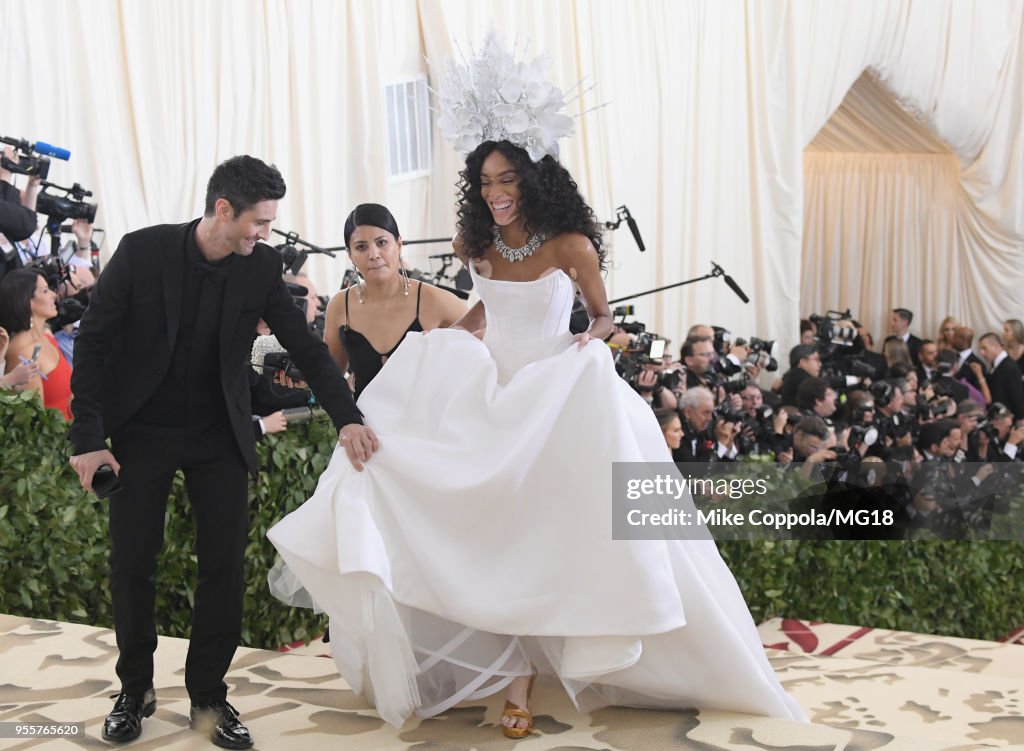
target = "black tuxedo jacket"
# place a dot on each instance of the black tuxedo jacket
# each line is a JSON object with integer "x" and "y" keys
{"x": 127, "y": 336}
{"x": 967, "y": 374}
{"x": 1006, "y": 386}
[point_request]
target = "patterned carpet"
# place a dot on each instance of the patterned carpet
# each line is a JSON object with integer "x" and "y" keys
{"x": 864, "y": 689}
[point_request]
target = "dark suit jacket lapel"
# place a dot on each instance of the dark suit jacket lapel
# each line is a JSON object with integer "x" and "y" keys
{"x": 172, "y": 270}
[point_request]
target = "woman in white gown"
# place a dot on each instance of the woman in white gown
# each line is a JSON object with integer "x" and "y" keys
{"x": 475, "y": 547}
{"x": 476, "y": 544}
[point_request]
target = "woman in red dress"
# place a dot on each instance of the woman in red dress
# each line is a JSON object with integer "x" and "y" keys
{"x": 26, "y": 304}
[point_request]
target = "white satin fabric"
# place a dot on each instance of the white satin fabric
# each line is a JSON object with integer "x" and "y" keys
{"x": 478, "y": 539}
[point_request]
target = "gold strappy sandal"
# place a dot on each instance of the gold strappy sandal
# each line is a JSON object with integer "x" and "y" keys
{"x": 513, "y": 710}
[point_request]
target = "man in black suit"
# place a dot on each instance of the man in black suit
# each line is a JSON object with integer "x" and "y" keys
{"x": 1004, "y": 379}
{"x": 161, "y": 368}
{"x": 928, "y": 357}
{"x": 963, "y": 338}
{"x": 899, "y": 324}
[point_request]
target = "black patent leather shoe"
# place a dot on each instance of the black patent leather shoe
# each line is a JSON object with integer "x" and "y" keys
{"x": 219, "y": 720}
{"x": 124, "y": 723}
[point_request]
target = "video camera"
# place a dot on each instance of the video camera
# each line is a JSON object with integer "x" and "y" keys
{"x": 27, "y": 164}
{"x": 71, "y": 205}
{"x": 838, "y": 345}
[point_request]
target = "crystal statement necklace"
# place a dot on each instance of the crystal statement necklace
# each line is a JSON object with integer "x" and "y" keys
{"x": 517, "y": 254}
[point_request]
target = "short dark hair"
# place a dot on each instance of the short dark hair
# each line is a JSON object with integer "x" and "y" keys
{"x": 947, "y": 426}
{"x": 799, "y": 352}
{"x": 687, "y": 349}
{"x": 927, "y": 341}
{"x": 899, "y": 370}
{"x": 930, "y": 435}
{"x": 993, "y": 336}
{"x": 806, "y": 325}
{"x": 371, "y": 215}
{"x": 243, "y": 181}
{"x": 812, "y": 426}
{"x": 905, "y": 314}
{"x": 811, "y": 391}
{"x": 17, "y": 289}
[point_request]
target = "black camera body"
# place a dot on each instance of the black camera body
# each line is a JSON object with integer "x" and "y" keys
{"x": 72, "y": 205}
{"x": 26, "y": 164}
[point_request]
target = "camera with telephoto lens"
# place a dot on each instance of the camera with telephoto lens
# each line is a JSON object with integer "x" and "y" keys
{"x": 648, "y": 348}
{"x": 862, "y": 435}
{"x": 71, "y": 205}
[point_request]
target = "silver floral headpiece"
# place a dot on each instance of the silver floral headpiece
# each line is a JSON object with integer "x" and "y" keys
{"x": 492, "y": 97}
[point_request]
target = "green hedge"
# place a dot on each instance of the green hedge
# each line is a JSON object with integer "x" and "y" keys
{"x": 53, "y": 552}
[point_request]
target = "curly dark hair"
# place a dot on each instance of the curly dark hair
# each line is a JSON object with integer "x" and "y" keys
{"x": 551, "y": 200}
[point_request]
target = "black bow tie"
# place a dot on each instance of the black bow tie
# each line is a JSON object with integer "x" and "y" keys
{"x": 217, "y": 273}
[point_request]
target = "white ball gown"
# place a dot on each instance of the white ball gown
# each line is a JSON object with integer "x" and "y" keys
{"x": 478, "y": 538}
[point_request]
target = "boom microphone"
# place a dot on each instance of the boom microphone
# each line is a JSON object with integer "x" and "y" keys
{"x": 717, "y": 271}
{"x": 635, "y": 230}
{"x": 47, "y": 150}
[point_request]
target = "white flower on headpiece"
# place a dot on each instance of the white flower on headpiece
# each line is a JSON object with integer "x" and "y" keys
{"x": 494, "y": 98}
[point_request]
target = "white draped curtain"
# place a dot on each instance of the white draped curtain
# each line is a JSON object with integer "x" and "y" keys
{"x": 710, "y": 105}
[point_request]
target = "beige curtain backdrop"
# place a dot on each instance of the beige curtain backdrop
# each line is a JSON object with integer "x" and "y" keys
{"x": 914, "y": 186}
{"x": 710, "y": 104}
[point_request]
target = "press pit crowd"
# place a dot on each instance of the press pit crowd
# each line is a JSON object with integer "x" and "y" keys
{"x": 947, "y": 410}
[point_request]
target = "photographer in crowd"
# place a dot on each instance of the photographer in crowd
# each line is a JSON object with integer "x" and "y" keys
{"x": 804, "y": 363}
{"x": 704, "y": 438}
{"x": 816, "y": 397}
{"x": 17, "y": 212}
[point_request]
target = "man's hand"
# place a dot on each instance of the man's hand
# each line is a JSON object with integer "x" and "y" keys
{"x": 31, "y": 192}
{"x": 984, "y": 472}
{"x": 6, "y": 175}
{"x": 726, "y": 432}
{"x": 646, "y": 380}
{"x": 1016, "y": 435}
{"x": 779, "y": 420}
{"x": 822, "y": 455}
{"x": 359, "y": 443}
{"x": 87, "y": 464}
{"x": 83, "y": 234}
